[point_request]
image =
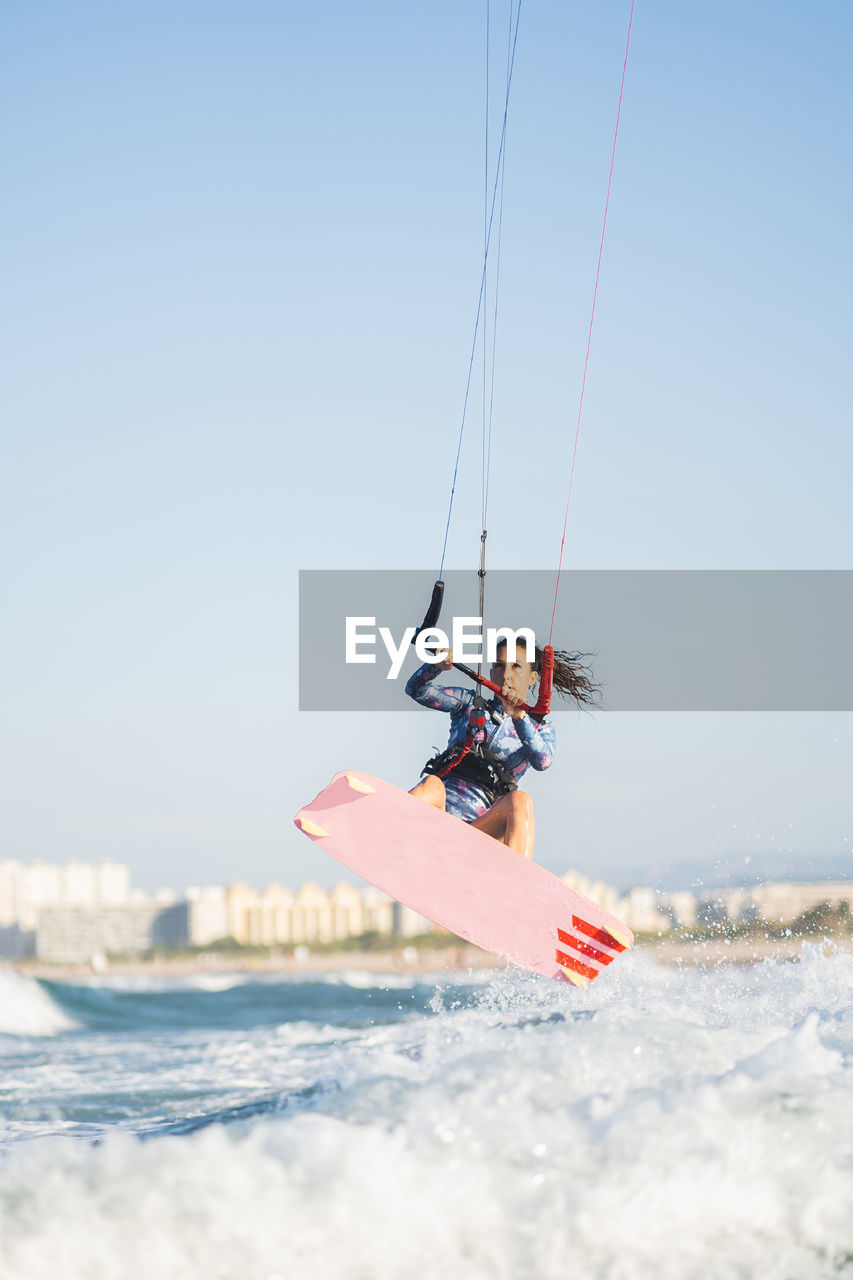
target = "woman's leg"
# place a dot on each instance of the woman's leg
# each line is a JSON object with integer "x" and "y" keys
{"x": 430, "y": 789}
{"x": 510, "y": 820}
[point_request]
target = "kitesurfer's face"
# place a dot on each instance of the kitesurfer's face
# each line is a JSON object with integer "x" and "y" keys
{"x": 519, "y": 675}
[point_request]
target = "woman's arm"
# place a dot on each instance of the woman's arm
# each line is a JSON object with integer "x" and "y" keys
{"x": 441, "y": 698}
{"x": 538, "y": 741}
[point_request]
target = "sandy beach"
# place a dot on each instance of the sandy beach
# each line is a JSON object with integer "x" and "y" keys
{"x": 713, "y": 951}
{"x": 393, "y": 960}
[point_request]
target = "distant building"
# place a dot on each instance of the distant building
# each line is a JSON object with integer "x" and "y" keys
{"x": 75, "y": 934}
{"x": 15, "y": 938}
{"x": 679, "y": 908}
{"x": 278, "y": 916}
{"x": 378, "y": 911}
{"x": 73, "y": 912}
{"x": 641, "y": 909}
{"x": 407, "y": 923}
{"x": 27, "y": 890}
{"x": 207, "y": 915}
{"x": 602, "y": 894}
{"x": 773, "y": 901}
{"x": 313, "y": 918}
{"x": 16, "y": 942}
{"x": 259, "y": 919}
{"x": 348, "y": 911}
{"x": 712, "y": 908}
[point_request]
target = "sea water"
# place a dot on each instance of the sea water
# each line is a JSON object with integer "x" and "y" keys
{"x": 666, "y": 1123}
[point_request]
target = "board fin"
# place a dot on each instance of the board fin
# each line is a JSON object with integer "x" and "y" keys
{"x": 357, "y": 785}
{"x": 609, "y": 937}
{"x": 571, "y": 971}
{"x": 311, "y": 828}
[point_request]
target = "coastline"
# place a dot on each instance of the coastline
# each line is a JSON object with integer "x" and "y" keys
{"x": 395, "y": 960}
{"x": 740, "y": 951}
{"x": 423, "y": 960}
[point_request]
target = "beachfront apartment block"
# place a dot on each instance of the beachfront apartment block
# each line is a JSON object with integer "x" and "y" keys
{"x": 73, "y": 912}
{"x": 28, "y": 889}
{"x": 779, "y": 901}
{"x": 84, "y": 935}
{"x": 206, "y": 915}
{"x": 650, "y": 911}
{"x": 280, "y": 916}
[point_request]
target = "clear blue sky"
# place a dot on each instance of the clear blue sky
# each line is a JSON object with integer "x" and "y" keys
{"x": 241, "y": 248}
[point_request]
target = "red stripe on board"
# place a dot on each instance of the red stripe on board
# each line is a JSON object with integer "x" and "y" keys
{"x": 569, "y": 962}
{"x": 600, "y": 935}
{"x": 585, "y": 948}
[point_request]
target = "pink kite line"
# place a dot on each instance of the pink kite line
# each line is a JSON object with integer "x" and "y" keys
{"x": 591, "y": 322}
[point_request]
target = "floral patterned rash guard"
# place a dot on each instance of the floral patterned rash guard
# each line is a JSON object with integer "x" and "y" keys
{"x": 519, "y": 744}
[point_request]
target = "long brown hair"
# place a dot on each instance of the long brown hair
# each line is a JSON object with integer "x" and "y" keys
{"x": 573, "y": 676}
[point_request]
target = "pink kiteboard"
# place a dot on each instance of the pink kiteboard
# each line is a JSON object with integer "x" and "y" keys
{"x": 461, "y": 879}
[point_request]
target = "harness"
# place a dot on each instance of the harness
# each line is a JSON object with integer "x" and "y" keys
{"x": 474, "y": 760}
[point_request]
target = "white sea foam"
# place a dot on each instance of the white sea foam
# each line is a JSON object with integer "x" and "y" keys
{"x": 26, "y": 1009}
{"x": 364, "y": 979}
{"x": 145, "y": 982}
{"x": 665, "y": 1124}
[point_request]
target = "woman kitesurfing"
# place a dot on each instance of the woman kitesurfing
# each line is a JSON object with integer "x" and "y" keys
{"x": 456, "y": 873}
{"x": 493, "y": 744}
